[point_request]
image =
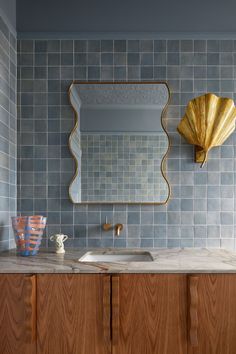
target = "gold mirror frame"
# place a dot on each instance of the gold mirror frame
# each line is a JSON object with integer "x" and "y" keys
{"x": 163, "y": 161}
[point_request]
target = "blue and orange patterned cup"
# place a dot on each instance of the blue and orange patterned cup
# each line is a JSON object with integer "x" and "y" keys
{"x": 28, "y": 233}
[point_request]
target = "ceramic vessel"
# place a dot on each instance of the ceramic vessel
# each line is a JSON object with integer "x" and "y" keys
{"x": 59, "y": 239}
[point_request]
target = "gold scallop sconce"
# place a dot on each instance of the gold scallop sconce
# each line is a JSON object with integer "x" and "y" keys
{"x": 208, "y": 121}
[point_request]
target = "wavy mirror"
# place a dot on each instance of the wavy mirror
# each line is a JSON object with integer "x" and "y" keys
{"x": 119, "y": 142}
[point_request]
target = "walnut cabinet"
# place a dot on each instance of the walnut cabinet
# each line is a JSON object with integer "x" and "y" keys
{"x": 118, "y": 314}
{"x": 17, "y": 314}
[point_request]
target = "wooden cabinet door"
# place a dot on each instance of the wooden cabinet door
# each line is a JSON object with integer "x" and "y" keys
{"x": 17, "y": 314}
{"x": 212, "y": 314}
{"x": 73, "y": 315}
{"x": 149, "y": 314}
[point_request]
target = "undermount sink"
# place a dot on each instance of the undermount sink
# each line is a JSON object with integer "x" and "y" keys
{"x": 117, "y": 256}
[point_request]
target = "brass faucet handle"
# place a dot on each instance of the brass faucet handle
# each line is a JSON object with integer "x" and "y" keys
{"x": 118, "y": 229}
{"x": 107, "y": 226}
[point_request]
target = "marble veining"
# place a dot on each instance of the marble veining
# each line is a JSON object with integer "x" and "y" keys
{"x": 174, "y": 260}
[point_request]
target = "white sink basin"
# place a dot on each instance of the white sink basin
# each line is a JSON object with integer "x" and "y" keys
{"x": 117, "y": 256}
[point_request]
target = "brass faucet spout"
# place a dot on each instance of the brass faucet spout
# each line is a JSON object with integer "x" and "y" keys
{"x": 118, "y": 229}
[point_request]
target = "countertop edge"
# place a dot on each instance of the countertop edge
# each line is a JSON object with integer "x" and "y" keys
{"x": 165, "y": 261}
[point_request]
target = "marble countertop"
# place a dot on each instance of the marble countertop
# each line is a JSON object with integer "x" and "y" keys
{"x": 186, "y": 260}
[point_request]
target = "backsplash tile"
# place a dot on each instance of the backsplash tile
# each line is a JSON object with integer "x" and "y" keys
{"x": 201, "y": 211}
{"x": 8, "y": 152}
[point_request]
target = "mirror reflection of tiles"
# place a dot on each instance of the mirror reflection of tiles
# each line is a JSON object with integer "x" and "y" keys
{"x": 119, "y": 142}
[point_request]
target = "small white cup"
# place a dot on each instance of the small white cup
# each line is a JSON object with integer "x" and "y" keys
{"x": 59, "y": 239}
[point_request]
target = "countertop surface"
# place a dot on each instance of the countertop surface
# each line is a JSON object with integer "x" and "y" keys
{"x": 175, "y": 260}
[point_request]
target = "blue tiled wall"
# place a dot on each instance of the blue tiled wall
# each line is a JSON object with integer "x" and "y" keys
{"x": 202, "y": 208}
{"x": 7, "y": 133}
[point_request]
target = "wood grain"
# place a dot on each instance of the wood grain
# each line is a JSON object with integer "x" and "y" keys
{"x": 107, "y": 309}
{"x": 17, "y": 315}
{"x": 152, "y": 314}
{"x": 70, "y": 314}
{"x": 115, "y": 309}
{"x": 193, "y": 310}
{"x": 216, "y": 315}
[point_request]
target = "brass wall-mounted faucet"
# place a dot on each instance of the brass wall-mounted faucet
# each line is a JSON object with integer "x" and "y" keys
{"x": 108, "y": 226}
{"x": 118, "y": 229}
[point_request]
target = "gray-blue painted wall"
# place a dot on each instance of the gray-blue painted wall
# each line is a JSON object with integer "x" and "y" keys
{"x": 8, "y": 7}
{"x": 126, "y": 15}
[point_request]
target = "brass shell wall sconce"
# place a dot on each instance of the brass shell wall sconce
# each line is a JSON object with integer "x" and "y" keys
{"x": 208, "y": 121}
